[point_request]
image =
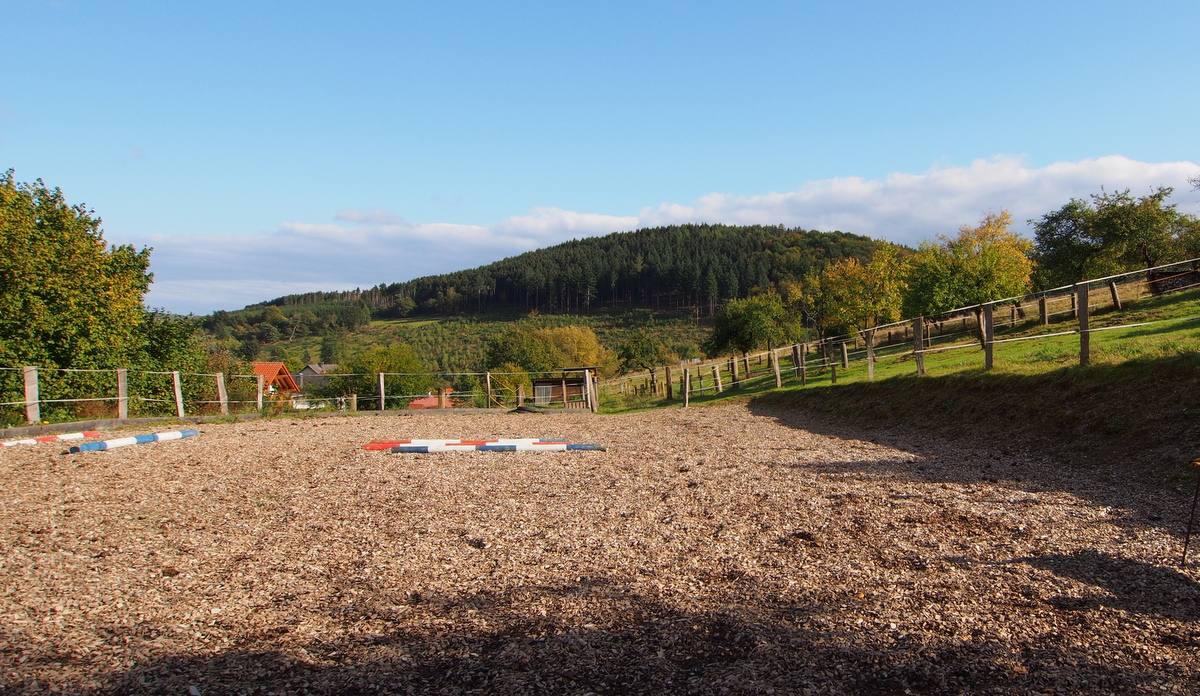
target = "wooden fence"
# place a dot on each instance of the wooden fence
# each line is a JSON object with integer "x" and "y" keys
{"x": 1070, "y": 307}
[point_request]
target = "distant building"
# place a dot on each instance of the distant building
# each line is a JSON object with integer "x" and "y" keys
{"x": 276, "y": 378}
{"x": 314, "y": 374}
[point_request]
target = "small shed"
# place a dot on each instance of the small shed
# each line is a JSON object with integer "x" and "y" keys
{"x": 276, "y": 377}
{"x": 569, "y": 390}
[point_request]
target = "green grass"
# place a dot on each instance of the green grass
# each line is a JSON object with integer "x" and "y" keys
{"x": 1138, "y": 400}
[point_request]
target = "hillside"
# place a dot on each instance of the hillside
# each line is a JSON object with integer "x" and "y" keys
{"x": 657, "y": 268}
{"x": 667, "y": 279}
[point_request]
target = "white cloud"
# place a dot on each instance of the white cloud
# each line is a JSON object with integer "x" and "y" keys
{"x": 362, "y": 248}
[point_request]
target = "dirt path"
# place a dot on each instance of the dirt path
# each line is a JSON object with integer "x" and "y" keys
{"x": 708, "y": 551}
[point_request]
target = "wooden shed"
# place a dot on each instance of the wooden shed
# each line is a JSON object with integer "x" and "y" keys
{"x": 276, "y": 377}
{"x": 569, "y": 390}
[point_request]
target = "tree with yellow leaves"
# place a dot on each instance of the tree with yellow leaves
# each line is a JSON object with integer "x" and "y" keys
{"x": 983, "y": 263}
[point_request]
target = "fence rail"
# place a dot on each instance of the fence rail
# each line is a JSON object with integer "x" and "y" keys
{"x": 77, "y": 394}
{"x": 973, "y": 326}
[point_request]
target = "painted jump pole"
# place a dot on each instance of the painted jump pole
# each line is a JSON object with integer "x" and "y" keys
{"x": 52, "y": 438}
{"x": 135, "y": 440}
{"x": 420, "y": 446}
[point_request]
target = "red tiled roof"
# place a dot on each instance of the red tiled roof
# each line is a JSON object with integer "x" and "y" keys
{"x": 276, "y": 374}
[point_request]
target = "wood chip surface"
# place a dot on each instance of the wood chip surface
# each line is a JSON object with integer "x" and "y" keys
{"x": 722, "y": 550}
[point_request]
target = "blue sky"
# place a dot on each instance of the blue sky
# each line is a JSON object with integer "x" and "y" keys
{"x": 375, "y": 142}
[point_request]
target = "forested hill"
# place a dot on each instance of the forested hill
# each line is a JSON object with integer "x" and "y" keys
{"x": 659, "y": 268}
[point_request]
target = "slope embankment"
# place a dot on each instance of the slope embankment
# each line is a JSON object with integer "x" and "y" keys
{"x": 1143, "y": 412}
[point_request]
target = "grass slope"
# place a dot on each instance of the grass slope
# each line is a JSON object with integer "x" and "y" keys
{"x": 1138, "y": 401}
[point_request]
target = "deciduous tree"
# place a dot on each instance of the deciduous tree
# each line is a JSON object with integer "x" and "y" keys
{"x": 67, "y": 298}
{"x": 983, "y": 263}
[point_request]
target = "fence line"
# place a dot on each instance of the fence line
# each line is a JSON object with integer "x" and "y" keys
{"x": 1079, "y": 298}
{"x": 195, "y": 390}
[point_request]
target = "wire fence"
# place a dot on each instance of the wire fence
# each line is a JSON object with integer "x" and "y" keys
{"x": 1111, "y": 303}
{"x": 32, "y": 394}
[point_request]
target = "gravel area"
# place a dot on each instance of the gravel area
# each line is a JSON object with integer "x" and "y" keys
{"x": 710, "y": 551}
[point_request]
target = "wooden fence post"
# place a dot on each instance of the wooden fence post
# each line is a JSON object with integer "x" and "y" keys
{"x": 178, "y": 393}
{"x": 222, "y": 395}
{"x": 988, "y": 329}
{"x": 795, "y": 359}
{"x": 869, "y": 338}
{"x": 33, "y": 407}
{"x": 716, "y": 370}
{"x": 686, "y": 386}
{"x": 521, "y": 396}
{"x": 845, "y": 357}
{"x": 490, "y": 398}
{"x": 564, "y": 388}
{"x": 1045, "y": 316}
{"x": 746, "y": 357}
{"x": 775, "y": 367}
{"x": 594, "y": 381}
{"x": 1081, "y": 310}
{"x": 1112, "y": 288}
{"x": 919, "y": 344}
{"x": 670, "y": 393}
{"x": 803, "y": 364}
{"x": 353, "y": 402}
{"x": 733, "y": 370}
{"x": 382, "y": 395}
{"x": 441, "y": 396}
{"x": 259, "y": 381}
{"x": 122, "y": 393}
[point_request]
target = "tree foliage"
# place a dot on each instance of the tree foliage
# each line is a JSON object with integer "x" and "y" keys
{"x": 981, "y": 263}
{"x": 1112, "y": 233}
{"x": 756, "y": 322}
{"x": 68, "y": 299}
{"x": 641, "y": 352}
{"x": 544, "y": 349}
{"x": 658, "y": 268}
{"x": 848, "y": 295}
{"x": 414, "y": 379}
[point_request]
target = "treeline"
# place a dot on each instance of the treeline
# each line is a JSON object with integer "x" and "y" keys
{"x": 256, "y": 326}
{"x": 1111, "y": 234}
{"x": 660, "y": 268}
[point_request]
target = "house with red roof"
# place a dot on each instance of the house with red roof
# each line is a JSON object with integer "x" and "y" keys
{"x": 276, "y": 378}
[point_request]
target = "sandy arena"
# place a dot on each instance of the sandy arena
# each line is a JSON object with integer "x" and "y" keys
{"x": 715, "y": 550}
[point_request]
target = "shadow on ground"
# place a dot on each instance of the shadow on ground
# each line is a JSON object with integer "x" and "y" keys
{"x": 1120, "y": 436}
{"x": 499, "y": 644}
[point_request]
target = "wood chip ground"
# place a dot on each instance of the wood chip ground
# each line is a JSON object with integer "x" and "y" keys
{"x": 716, "y": 550}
